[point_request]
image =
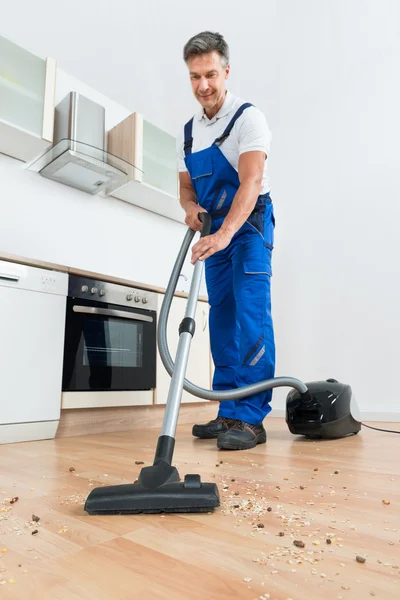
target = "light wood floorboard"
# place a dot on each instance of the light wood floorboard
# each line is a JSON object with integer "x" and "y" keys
{"x": 236, "y": 552}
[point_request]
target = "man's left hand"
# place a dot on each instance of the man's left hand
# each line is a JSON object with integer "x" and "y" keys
{"x": 209, "y": 245}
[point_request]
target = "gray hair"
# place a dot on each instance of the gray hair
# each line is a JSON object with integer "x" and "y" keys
{"x": 206, "y": 42}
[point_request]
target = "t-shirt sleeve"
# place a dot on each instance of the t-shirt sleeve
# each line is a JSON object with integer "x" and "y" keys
{"x": 253, "y": 131}
{"x": 180, "y": 155}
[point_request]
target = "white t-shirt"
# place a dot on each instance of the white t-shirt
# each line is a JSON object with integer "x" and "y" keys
{"x": 250, "y": 132}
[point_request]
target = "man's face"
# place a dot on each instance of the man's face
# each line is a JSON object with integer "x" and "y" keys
{"x": 207, "y": 76}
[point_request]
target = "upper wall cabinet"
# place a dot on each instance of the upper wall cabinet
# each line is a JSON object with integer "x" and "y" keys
{"x": 154, "y": 185}
{"x": 27, "y": 96}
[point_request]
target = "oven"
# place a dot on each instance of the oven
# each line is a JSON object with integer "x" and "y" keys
{"x": 110, "y": 337}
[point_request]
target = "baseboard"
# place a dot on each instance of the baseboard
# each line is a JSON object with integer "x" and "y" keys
{"x": 128, "y": 418}
{"x": 277, "y": 412}
{"x": 106, "y": 399}
{"x": 27, "y": 432}
{"x": 374, "y": 417}
{"x": 380, "y": 417}
{"x": 88, "y": 421}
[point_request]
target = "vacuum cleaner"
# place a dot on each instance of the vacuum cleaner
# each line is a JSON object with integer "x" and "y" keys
{"x": 315, "y": 410}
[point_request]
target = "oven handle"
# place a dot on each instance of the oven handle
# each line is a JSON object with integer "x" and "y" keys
{"x": 111, "y": 312}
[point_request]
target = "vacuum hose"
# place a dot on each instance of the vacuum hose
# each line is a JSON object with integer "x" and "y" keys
{"x": 220, "y": 395}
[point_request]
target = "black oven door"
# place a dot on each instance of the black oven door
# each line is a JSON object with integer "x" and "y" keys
{"x": 108, "y": 347}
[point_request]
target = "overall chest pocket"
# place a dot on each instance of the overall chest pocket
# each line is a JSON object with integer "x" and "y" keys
{"x": 203, "y": 179}
{"x": 201, "y": 166}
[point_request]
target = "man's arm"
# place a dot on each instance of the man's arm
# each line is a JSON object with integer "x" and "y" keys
{"x": 189, "y": 203}
{"x": 250, "y": 171}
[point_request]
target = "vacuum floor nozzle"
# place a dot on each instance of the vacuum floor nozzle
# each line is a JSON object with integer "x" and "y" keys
{"x": 151, "y": 495}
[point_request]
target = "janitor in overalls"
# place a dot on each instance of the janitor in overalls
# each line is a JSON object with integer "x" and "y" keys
{"x": 222, "y": 157}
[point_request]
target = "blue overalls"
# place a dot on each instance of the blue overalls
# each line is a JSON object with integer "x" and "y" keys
{"x": 238, "y": 282}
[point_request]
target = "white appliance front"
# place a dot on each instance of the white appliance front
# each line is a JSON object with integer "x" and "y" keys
{"x": 32, "y": 322}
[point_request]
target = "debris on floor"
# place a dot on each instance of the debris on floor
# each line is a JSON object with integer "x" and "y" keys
{"x": 360, "y": 559}
{"x": 295, "y": 532}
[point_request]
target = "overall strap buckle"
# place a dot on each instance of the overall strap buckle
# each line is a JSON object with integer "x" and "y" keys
{"x": 231, "y": 123}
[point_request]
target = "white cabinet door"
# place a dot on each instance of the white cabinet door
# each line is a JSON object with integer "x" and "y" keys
{"x": 154, "y": 182}
{"x": 159, "y": 159}
{"x": 27, "y": 90}
{"x": 31, "y": 355}
{"x": 199, "y": 365}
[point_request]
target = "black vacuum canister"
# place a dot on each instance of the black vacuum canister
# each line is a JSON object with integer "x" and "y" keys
{"x": 330, "y": 413}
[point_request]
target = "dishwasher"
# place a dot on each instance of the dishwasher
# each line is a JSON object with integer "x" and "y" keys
{"x": 32, "y": 325}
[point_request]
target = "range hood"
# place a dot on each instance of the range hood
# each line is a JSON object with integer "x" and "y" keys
{"x": 78, "y": 157}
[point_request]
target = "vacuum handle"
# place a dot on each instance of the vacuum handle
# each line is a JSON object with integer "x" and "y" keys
{"x": 205, "y": 218}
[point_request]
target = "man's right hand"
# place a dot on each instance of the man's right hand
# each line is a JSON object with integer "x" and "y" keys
{"x": 192, "y": 219}
{"x": 188, "y": 200}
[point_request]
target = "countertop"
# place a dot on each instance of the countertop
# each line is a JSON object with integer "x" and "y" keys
{"x": 32, "y": 262}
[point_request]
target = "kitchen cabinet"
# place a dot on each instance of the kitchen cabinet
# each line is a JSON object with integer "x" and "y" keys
{"x": 27, "y": 101}
{"x": 199, "y": 365}
{"x": 154, "y": 183}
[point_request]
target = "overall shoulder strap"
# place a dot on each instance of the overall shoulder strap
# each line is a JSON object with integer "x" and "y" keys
{"x": 231, "y": 123}
{"x": 187, "y": 146}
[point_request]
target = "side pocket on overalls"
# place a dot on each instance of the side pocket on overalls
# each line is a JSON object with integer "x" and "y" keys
{"x": 259, "y": 269}
{"x": 255, "y": 312}
{"x": 262, "y": 219}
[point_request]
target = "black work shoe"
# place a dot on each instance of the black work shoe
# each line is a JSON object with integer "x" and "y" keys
{"x": 242, "y": 436}
{"x": 212, "y": 429}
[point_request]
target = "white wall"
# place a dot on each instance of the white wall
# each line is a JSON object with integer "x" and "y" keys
{"x": 132, "y": 51}
{"x": 326, "y": 75}
{"x": 42, "y": 219}
{"x": 335, "y": 166}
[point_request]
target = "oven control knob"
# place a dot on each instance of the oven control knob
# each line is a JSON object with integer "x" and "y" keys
{"x": 93, "y": 290}
{"x": 102, "y": 292}
{"x": 84, "y": 288}
{"x": 137, "y": 298}
{"x": 129, "y": 297}
{"x": 144, "y": 300}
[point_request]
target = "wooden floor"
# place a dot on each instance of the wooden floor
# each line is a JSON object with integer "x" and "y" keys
{"x": 290, "y": 489}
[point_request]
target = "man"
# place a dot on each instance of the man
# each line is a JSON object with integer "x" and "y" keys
{"x": 222, "y": 154}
